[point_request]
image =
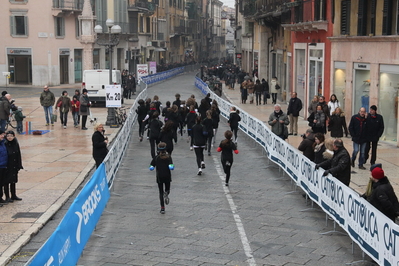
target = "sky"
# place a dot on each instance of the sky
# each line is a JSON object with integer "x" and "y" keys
{"x": 229, "y": 3}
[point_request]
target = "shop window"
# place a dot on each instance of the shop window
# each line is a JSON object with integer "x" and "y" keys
{"x": 345, "y": 17}
{"x": 19, "y": 26}
{"x": 59, "y": 27}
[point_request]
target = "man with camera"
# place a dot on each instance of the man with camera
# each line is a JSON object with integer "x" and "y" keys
{"x": 306, "y": 146}
{"x": 339, "y": 165}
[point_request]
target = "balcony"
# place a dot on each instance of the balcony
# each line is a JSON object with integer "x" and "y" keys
{"x": 249, "y": 8}
{"x": 180, "y": 30}
{"x": 142, "y": 6}
{"x": 67, "y": 6}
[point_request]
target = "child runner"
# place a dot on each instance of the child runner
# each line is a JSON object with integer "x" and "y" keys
{"x": 163, "y": 162}
{"x": 227, "y": 147}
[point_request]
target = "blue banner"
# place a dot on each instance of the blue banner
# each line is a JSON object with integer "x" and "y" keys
{"x": 66, "y": 244}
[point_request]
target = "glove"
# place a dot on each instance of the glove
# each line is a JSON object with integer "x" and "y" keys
{"x": 88, "y": 105}
{"x": 326, "y": 172}
{"x": 152, "y": 168}
{"x": 219, "y": 149}
{"x": 316, "y": 166}
{"x": 171, "y": 167}
{"x": 236, "y": 151}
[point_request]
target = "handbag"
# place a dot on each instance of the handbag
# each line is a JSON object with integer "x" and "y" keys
{"x": 277, "y": 87}
{"x": 53, "y": 118}
{"x": 59, "y": 104}
{"x": 268, "y": 95}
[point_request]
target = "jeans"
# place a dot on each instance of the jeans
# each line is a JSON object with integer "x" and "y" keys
{"x": 274, "y": 98}
{"x": 3, "y": 124}
{"x": 356, "y": 148}
{"x": 20, "y": 127}
{"x": 75, "y": 116}
{"x": 48, "y": 111}
{"x": 64, "y": 118}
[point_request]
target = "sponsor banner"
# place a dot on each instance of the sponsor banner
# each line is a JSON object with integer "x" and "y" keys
{"x": 113, "y": 96}
{"x": 68, "y": 240}
{"x": 153, "y": 68}
{"x": 142, "y": 70}
{"x": 372, "y": 231}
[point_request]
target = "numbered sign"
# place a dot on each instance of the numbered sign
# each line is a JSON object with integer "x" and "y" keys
{"x": 113, "y": 96}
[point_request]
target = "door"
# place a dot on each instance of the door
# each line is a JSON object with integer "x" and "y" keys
{"x": 64, "y": 75}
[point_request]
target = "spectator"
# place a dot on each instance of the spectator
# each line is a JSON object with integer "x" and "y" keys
{"x": 337, "y": 124}
{"x": 6, "y": 107}
{"x": 375, "y": 128}
{"x": 47, "y": 100}
{"x": 307, "y": 144}
{"x": 333, "y": 104}
{"x": 19, "y": 117}
{"x": 3, "y": 166}
{"x": 64, "y": 103}
{"x": 339, "y": 165}
{"x": 313, "y": 105}
{"x": 274, "y": 88}
{"x": 14, "y": 164}
{"x": 358, "y": 131}
{"x": 278, "y": 121}
{"x": 319, "y": 121}
{"x": 319, "y": 148}
{"x": 324, "y": 106}
{"x": 84, "y": 107}
{"x": 100, "y": 143}
{"x": 266, "y": 94}
{"x": 383, "y": 196}
{"x": 294, "y": 107}
{"x": 75, "y": 110}
{"x": 258, "y": 92}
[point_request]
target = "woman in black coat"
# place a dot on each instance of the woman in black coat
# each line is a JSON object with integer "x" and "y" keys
{"x": 319, "y": 148}
{"x": 337, "y": 124}
{"x": 100, "y": 143}
{"x": 13, "y": 166}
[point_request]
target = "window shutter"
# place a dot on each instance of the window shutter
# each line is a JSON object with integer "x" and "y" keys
{"x": 362, "y": 18}
{"x": 387, "y": 18}
{"x": 345, "y": 17}
{"x": 373, "y": 16}
{"x": 12, "y": 28}
{"x": 26, "y": 26}
{"x": 63, "y": 27}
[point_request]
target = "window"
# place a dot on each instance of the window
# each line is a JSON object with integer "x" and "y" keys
{"x": 77, "y": 30}
{"x": 362, "y": 18}
{"x": 19, "y": 26}
{"x": 345, "y": 17}
{"x": 18, "y": 1}
{"x": 387, "y": 15}
{"x": 59, "y": 24}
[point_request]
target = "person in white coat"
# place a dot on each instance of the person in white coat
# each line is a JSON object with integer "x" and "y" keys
{"x": 333, "y": 104}
{"x": 274, "y": 89}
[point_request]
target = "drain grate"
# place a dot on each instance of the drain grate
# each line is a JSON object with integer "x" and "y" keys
{"x": 27, "y": 215}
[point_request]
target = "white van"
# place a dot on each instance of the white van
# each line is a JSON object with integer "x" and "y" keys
{"x": 95, "y": 81}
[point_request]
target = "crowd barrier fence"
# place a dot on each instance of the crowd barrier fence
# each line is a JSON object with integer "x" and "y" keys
{"x": 371, "y": 230}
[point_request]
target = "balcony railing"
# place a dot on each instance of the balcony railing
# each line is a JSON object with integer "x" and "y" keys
{"x": 143, "y": 6}
{"x": 249, "y": 8}
{"x": 71, "y": 5}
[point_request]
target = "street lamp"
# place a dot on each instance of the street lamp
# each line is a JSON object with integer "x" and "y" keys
{"x": 113, "y": 40}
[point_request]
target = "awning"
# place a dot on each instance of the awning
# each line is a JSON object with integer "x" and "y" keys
{"x": 159, "y": 49}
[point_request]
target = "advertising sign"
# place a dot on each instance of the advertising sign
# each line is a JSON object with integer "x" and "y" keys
{"x": 142, "y": 70}
{"x": 113, "y": 96}
{"x": 153, "y": 68}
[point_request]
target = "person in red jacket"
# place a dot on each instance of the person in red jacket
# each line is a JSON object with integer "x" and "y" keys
{"x": 227, "y": 147}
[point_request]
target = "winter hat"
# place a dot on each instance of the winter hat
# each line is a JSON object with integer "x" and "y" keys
{"x": 373, "y": 107}
{"x": 375, "y": 165}
{"x": 1, "y": 132}
{"x": 84, "y": 90}
{"x": 4, "y": 93}
{"x": 377, "y": 173}
{"x": 20, "y": 108}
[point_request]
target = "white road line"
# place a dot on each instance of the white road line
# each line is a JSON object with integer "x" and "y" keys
{"x": 240, "y": 226}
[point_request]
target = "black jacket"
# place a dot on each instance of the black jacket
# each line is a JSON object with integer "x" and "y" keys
{"x": 162, "y": 168}
{"x": 234, "y": 119}
{"x": 306, "y": 146}
{"x": 375, "y": 127}
{"x": 294, "y": 107}
{"x": 339, "y": 165}
{"x": 14, "y": 163}
{"x": 155, "y": 128}
{"x": 357, "y": 129}
{"x": 100, "y": 149}
{"x": 199, "y": 139}
{"x": 337, "y": 126}
{"x": 168, "y": 137}
{"x": 141, "y": 112}
{"x": 384, "y": 199}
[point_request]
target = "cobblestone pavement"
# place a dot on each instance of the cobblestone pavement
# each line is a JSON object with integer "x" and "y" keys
{"x": 260, "y": 219}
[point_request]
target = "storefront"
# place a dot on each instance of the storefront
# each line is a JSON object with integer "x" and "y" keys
{"x": 20, "y": 65}
{"x": 361, "y": 87}
{"x": 388, "y": 100}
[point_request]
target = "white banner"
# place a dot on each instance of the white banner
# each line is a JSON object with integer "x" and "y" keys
{"x": 371, "y": 230}
{"x": 113, "y": 96}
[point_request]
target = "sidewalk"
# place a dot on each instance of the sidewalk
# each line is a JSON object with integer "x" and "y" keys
{"x": 55, "y": 164}
{"x": 387, "y": 152}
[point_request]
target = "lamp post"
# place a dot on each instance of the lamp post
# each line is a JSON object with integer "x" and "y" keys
{"x": 113, "y": 40}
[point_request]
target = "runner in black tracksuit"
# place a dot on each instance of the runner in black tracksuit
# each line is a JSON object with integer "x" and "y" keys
{"x": 227, "y": 147}
{"x": 199, "y": 142}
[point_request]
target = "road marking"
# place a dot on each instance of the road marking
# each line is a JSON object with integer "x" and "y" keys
{"x": 240, "y": 226}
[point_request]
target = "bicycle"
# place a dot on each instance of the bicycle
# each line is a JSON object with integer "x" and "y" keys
{"x": 11, "y": 120}
{"x": 121, "y": 115}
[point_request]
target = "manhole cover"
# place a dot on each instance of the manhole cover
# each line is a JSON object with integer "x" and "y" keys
{"x": 27, "y": 215}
